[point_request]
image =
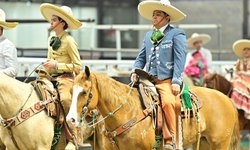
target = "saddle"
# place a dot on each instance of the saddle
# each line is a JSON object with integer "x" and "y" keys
{"x": 148, "y": 92}
{"x": 187, "y": 107}
{"x": 46, "y": 92}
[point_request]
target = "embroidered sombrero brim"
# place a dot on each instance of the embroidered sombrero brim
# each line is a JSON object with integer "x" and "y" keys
{"x": 48, "y": 10}
{"x": 239, "y": 46}
{"x": 8, "y": 25}
{"x": 146, "y": 9}
{"x": 201, "y": 37}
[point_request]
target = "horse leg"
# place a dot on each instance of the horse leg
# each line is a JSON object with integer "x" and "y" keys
{"x": 244, "y": 123}
{"x": 2, "y": 147}
{"x": 220, "y": 146}
{"x": 229, "y": 143}
{"x": 204, "y": 145}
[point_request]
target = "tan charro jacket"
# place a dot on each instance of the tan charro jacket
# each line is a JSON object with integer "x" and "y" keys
{"x": 67, "y": 56}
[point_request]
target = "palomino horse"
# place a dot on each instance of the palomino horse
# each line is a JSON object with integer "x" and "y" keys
{"x": 35, "y": 133}
{"x": 117, "y": 106}
{"x": 220, "y": 83}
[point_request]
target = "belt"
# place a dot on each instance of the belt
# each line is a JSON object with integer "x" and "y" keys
{"x": 156, "y": 80}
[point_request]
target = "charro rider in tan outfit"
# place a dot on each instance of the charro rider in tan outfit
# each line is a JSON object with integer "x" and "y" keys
{"x": 63, "y": 60}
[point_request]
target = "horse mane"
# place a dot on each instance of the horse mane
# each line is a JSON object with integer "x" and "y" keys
{"x": 115, "y": 91}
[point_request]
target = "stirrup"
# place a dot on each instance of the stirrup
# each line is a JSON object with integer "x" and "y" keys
{"x": 70, "y": 146}
{"x": 168, "y": 146}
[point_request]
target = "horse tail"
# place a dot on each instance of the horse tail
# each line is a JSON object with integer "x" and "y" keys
{"x": 235, "y": 140}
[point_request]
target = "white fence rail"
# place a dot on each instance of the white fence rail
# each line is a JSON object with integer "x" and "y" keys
{"x": 118, "y": 28}
{"x": 110, "y": 67}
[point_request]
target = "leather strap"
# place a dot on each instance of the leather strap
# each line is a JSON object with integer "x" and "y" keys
{"x": 25, "y": 114}
{"x": 128, "y": 124}
{"x": 178, "y": 113}
{"x": 13, "y": 138}
{"x": 159, "y": 119}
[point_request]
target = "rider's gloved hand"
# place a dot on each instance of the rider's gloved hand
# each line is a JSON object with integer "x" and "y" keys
{"x": 134, "y": 77}
{"x": 176, "y": 89}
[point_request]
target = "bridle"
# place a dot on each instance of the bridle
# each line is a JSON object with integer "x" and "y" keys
{"x": 85, "y": 107}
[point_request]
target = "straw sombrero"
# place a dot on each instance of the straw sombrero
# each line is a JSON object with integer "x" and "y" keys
{"x": 4, "y": 24}
{"x": 63, "y": 12}
{"x": 146, "y": 9}
{"x": 239, "y": 46}
{"x": 205, "y": 38}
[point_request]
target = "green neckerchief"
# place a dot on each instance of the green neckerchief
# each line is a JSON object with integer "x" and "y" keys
{"x": 157, "y": 36}
{"x": 55, "y": 42}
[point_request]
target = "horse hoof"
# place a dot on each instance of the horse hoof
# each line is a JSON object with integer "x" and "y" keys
{"x": 70, "y": 146}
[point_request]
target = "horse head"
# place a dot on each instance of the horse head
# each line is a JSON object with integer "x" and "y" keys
{"x": 230, "y": 71}
{"x": 84, "y": 96}
{"x": 89, "y": 127}
{"x": 218, "y": 82}
{"x": 209, "y": 81}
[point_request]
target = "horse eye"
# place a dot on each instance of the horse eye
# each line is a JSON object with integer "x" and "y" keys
{"x": 84, "y": 92}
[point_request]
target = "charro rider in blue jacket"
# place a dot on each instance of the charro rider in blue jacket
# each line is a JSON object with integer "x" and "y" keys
{"x": 163, "y": 53}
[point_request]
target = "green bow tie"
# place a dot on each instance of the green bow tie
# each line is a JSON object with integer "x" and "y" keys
{"x": 55, "y": 43}
{"x": 157, "y": 36}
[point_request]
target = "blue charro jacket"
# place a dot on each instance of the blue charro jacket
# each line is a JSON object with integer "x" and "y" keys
{"x": 170, "y": 55}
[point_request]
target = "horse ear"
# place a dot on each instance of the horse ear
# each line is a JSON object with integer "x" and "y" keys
{"x": 87, "y": 71}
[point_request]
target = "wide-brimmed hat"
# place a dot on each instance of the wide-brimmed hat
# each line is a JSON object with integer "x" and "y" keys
{"x": 205, "y": 38}
{"x": 4, "y": 24}
{"x": 64, "y": 12}
{"x": 240, "y": 45}
{"x": 146, "y": 9}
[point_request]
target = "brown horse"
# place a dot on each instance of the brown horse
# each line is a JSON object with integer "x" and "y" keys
{"x": 220, "y": 83}
{"x": 112, "y": 99}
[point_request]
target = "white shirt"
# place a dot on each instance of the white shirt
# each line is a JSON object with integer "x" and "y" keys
{"x": 8, "y": 57}
{"x": 163, "y": 28}
{"x": 205, "y": 54}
